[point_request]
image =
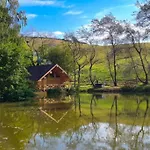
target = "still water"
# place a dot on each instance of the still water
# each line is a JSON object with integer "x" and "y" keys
{"x": 85, "y": 122}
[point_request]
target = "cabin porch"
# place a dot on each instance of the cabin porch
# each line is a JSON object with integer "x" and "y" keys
{"x": 47, "y": 83}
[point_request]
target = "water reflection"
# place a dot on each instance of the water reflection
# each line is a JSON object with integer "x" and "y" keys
{"x": 85, "y": 122}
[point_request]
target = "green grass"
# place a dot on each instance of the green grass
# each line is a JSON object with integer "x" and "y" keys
{"x": 126, "y": 108}
{"x": 100, "y": 71}
{"x": 84, "y": 88}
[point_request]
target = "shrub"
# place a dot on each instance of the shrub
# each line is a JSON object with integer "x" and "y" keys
{"x": 146, "y": 88}
{"x": 127, "y": 88}
{"x": 70, "y": 91}
{"x": 136, "y": 89}
{"x": 56, "y": 92}
{"x": 18, "y": 95}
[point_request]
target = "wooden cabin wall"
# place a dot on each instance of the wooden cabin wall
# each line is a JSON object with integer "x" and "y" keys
{"x": 49, "y": 81}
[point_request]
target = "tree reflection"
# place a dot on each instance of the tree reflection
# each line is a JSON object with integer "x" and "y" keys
{"x": 119, "y": 122}
{"x": 135, "y": 134}
{"x": 138, "y": 102}
{"x": 115, "y": 106}
{"x": 79, "y": 101}
{"x": 91, "y": 107}
{"x": 77, "y": 135}
{"x": 142, "y": 131}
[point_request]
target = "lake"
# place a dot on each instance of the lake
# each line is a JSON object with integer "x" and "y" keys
{"x": 83, "y": 122}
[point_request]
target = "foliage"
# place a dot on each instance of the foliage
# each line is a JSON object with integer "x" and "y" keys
{"x": 13, "y": 61}
{"x": 13, "y": 73}
{"x": 127, "y": 88}
{"x": 70, "y": 91}
{"x": 54, "y": 93}
{"x": 57, "y": 55}
{"x": 59, "y": 92}
{"x": 136, "y": 89}
{"x": 18, "y": 18}
{"x": 106, "y": 89}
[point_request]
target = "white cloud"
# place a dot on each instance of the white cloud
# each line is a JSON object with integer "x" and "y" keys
{"x": 99, "y": 39}
{"x": 36, "y": 2}
{"x": 44, "y": 3}
{"x": 73, "y": 12}
{"x": 47, "y": 34}
{"x": 58, "y": 33}
{"x": 38, "y": 34}
{"x": 31, "y": 16}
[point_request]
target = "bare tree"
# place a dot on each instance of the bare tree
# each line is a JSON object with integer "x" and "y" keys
{"x": 109, "y": 31}
{"x": 143, "y": 15}
{"x": 79, "y": 56}
{"x": 136, "y": 38}
{"x": 86, "y": 35}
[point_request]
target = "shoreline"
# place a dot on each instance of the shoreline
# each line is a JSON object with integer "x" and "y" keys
{"x": 122, "y": 90}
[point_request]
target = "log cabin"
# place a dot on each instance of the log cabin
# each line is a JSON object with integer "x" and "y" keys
{"x": 48, "y": 76}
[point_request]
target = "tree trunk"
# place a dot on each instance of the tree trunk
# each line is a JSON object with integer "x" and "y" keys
{"x": 115, "y": 67}
{"x": 74, "y": 74}
{"x": 134, "y": 67}
{"x": 109, "y": 67}
{"x": 144, "y": 69}
{"x": 79, "y": 76}
{"x": 139, "y": 51}
{"x": 90, "y": 74}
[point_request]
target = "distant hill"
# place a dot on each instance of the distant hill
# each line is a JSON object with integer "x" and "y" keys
{"x": 39, "y": 41}
{"x": 100, "y": 70}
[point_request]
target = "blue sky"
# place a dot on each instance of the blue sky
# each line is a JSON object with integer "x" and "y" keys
{"x": 60, "y": 16}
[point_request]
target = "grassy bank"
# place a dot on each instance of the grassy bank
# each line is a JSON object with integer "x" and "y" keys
{"x": 122, "y": 89}
{"x": 107, "y": 89}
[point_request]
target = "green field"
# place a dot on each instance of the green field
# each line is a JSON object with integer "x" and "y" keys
{"x": 100, "y": 70}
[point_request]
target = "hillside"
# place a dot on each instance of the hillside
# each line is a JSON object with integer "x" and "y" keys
{"x": 100, "y": 70}
{"x": 39, "y": 41}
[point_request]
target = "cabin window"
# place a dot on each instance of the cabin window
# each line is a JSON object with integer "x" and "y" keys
{"x": 51, "y": 75}
{"x": 54, "y": 75}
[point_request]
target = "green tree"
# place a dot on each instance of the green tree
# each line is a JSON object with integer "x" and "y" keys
{"x": 18, "y": 18}
{"x": 57, "y": 55}
{"x": 13, "y": 62}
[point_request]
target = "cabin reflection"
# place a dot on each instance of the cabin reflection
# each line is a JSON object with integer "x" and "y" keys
{"x": 56, "y": 103}
{"x": 55, "y": 108}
